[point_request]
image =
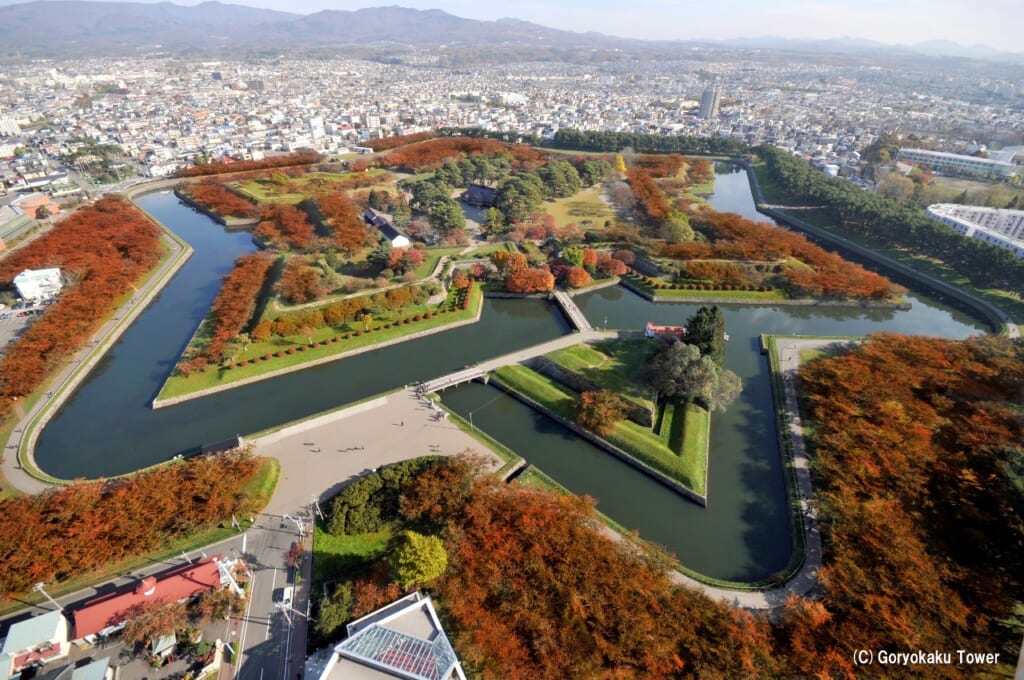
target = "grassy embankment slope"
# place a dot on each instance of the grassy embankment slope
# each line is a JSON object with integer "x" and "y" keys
{"x": 676, "y": 453}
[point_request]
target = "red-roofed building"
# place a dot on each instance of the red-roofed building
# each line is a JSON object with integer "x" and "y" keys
{"x": 109, "y": 612}
{"x": 653, "y": 330}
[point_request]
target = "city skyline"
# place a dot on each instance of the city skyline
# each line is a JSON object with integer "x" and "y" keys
{"x": 905, "y": 22}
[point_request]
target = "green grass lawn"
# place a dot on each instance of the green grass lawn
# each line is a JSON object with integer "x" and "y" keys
{"x": 635, "y": 440}
{"x": 178, "y": 385}
{"x": 307, "y": 185}
{"x": 614, "y": 364}
{"x": 723, "y": 295}
{"x": 430, "y": 259}
{"x": 340, "y": 556}
{"x": 487, "y": 249}
{"x": 584, "y": 205}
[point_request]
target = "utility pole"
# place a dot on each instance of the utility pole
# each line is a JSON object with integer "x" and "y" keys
{"x": 39, "y": 587}
{"x": 298, "y": 525}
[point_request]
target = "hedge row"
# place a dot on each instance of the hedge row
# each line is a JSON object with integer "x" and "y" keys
{"x": 347, "y": 336}
{"x": 658, "y": 284}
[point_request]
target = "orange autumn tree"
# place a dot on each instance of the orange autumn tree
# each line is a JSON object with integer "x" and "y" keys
{"x": 535, "y": 589}
{"x": 598, "y": 411}
{"x": 102, "y": 251}
{"x": 918, "y": 474}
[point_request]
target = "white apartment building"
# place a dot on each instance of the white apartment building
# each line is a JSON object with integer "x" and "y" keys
{"x": 1004, "y": 228}
{"x": 940, "y": 161}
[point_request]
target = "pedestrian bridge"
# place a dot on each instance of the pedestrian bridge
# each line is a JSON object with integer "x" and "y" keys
{"x": 482, "y": 368}
{"x": 572, "y": 311}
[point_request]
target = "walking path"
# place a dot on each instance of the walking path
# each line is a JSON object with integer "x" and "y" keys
{"x": 805, "y": 582}
{"x": 62, "y": 386}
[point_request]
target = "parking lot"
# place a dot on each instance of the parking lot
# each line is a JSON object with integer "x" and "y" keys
{"x": 14, "y": 321}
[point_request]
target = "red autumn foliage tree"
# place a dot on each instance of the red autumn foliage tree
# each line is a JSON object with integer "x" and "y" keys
{"x": 598, "y": 411}
{"x": 235, "y": 303}
{"x": 732, "y": 237}
{"x": 284, "y": 226}
{"x": 387, "y": 143}
{"x": 73, "y": 530}
{"x": 650, "y": 199}
{"x": 402, "y": 260}
{"x": 922, "y": 508}
{"x": 297, "y": 158}
{"x": 106, "y": 248}
{"x": 219, "y": 199}
{"x": 661, "y": 165}
{"x": 530, "y": 281}
{"x": 300, "y": 282}
{"x": 429, "y": 155}
{"x": 344, "y": 222}
{"x": 612, "y": 267}
{"x": 535, "y": 589}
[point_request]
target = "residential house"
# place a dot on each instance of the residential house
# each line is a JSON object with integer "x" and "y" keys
{"x": 389, "y": 231}
{"x": 653, "y": 331}
{"x": 33, "y": 642}
{"x": 108, "y": 613}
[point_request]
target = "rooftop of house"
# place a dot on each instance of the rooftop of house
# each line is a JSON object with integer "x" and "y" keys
{"x": 33, "y": 631}
{"x": 111, "y": 610}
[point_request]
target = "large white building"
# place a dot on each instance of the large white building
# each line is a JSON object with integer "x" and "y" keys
{"x": 1004, "y": 228}
{"x": 38, "y": 284}
{"x": 997, "y": 167}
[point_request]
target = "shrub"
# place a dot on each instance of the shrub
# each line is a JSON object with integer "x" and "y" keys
{"x": 302, "y": 348}
{"x": 279, "y": 353}
{"x": 267, "y": 357}
{"x": 290, "y": 350}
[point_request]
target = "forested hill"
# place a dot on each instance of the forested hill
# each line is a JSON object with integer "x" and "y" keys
{"x": 107, "y": 28}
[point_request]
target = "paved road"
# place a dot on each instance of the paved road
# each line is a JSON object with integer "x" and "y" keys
{"x": 317, "y": 459}
{"x": 806, "y": 579}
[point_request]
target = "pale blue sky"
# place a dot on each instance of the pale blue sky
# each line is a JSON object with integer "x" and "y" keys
{"x": 997, "y": 23}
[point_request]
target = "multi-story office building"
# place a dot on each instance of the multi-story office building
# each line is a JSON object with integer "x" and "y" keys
{"x": 709, "y": 103}
{"x": 1004, "y": 228}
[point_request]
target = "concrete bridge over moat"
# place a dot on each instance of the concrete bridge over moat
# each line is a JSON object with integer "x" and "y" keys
{"x": 583, "y": 332}
{"x": 482, "y": 368}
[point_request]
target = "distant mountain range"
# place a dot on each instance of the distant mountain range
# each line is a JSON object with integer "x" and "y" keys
{"x": 71, "y": 27}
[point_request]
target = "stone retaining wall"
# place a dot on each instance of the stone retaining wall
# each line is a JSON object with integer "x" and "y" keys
{"x": 602, "y": 444}
{"x": 171, "y": 401}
